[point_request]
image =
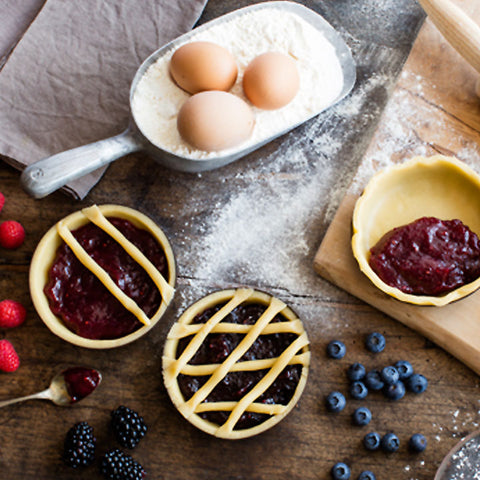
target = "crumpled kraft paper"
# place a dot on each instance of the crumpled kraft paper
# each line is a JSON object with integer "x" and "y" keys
{"x": 67, "y": 81}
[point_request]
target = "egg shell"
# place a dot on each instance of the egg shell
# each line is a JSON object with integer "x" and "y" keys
{"x": 271, "y": 80}
{"x": 199, "y": 66}
{"x": 215, "y": 120}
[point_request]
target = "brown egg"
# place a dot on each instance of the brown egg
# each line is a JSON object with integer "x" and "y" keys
{"x": 199, "y": 66}
{"x": 215, "y": 120}
{"x": 271, "y": 80}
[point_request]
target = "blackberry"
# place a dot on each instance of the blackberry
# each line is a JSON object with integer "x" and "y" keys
{"x": 336, "y": 349}
{"x": 117, "y": 465}
{"x": 128, "y": 426}
{"x": 79, "y": 446}
{"x": 375, "y": 342}
{"x": 335, "y": 402}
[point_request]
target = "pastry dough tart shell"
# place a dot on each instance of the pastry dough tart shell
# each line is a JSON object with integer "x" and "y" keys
{"x": 298, "y": 352}
{"x": 436, "y": 186}
{"x": 45, "y": 254}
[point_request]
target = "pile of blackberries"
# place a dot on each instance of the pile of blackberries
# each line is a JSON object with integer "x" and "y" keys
{"x": 128, "y": 428}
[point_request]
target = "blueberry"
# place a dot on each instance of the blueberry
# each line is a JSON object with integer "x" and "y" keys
{"x": 373, "y": 380}
{"x": 367, "y": 475}
{"x": 340, "y": 471}
{"x": 375, "y": 342}
{"x": 417, "y": 383}
{"x": 335, "y": 402}
{"x": 395, "y": 391}
{"x": 358, "y": 390}
{"x": 404, "y": 369}
{"x": 390, "y": 375}
{"x": 371, "y": 441}
{"x": 390, "y": 443}
{"x": 336, "y": 349}
{"x": 361, "y": 416}
{"x": 355, "y": 372}
{"x": 417, "y": 443}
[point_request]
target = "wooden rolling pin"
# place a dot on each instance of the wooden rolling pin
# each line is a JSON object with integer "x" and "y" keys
{"x": 457, "y": 28}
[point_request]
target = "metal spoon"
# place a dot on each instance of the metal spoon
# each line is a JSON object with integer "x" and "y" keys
{"x": 58, "y": 391}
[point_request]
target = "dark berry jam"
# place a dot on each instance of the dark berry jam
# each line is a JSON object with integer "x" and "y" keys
{"x": 81, "y": 382}
{"x": 427, "y": 257}
{"x": 83, "y": 302}
{"x": 235, "y": 385}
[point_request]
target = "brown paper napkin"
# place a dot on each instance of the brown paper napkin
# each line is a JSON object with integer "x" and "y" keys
{"x": 67, "y": 81}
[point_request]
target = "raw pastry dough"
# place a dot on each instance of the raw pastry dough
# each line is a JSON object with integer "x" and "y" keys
{"x": 44, "y": 256}
{"x": 296, "y": 353}
{"x": 437, "y": 186}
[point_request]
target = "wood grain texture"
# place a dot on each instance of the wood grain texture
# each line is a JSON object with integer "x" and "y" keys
{"x": 455, "y": 327}
{"x": 306, "y": 444}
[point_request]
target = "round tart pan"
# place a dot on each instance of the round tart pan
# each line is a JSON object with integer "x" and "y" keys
{"x": 174, "y": 365}
{"x": 44, "y": 256}
{"x": 437, "y": 186}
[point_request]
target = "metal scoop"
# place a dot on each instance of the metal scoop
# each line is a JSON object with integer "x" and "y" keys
{"x": 47, "y": 175}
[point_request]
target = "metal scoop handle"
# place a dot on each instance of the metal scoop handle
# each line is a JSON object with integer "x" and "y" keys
{"x": 49, "y": 174}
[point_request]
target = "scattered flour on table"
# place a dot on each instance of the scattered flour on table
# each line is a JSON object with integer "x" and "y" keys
{"x": 401, "y": 139}
{"x": 259, "y": 237}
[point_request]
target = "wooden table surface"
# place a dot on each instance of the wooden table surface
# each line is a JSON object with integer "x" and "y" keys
{"x": 257, "y": 222}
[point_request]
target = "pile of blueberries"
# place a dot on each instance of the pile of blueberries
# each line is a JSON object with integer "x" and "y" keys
{"x": 393, "y": 381}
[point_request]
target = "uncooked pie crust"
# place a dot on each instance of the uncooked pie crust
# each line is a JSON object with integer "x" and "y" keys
{"x": 296, "y": 353}
{"x": 437, "y": 186}
{"x": 46, "y": 250}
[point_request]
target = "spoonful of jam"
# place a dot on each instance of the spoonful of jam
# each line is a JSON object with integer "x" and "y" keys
{"x": 66, "y": 388}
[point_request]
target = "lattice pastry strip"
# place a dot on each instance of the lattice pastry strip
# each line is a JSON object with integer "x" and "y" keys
{"x": 175, "y": 367}
{"x": 275, "y": 307}
{"x": 296, "y": 353}
{"x": 282, "y": 361}
{"x": 95, "y": 215}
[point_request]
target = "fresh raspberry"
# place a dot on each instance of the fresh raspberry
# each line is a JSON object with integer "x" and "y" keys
{"x": 9, "y": 360}
{"x": 12, "y": 234}
{"x": 2, "y": 201}
{"x": 12, "y": 314}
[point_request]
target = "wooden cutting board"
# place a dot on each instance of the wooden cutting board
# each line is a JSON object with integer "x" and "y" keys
{"x": 433, "y": 109}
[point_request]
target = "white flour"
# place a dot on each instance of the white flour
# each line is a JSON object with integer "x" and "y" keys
{"x": 401, "y": 138}
{"x": 259, "y": 238}
{"x": 158, "y": 99}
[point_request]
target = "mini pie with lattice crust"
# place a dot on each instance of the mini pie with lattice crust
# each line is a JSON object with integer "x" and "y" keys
{"x": 103, "y": 276}
{"x": 236, "y": 362}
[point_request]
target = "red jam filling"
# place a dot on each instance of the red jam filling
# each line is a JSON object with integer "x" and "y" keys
{"x": 83, "y": 302}
{"x": 80, "y": 382}
{"x": 217, "y": 347}
{"x": 427, "y": 257}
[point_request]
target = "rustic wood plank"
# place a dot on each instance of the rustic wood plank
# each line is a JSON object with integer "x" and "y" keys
{"x": 309, "y": 441}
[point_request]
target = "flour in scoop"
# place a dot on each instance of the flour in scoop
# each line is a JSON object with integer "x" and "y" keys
{"x": 158, "y": 99}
